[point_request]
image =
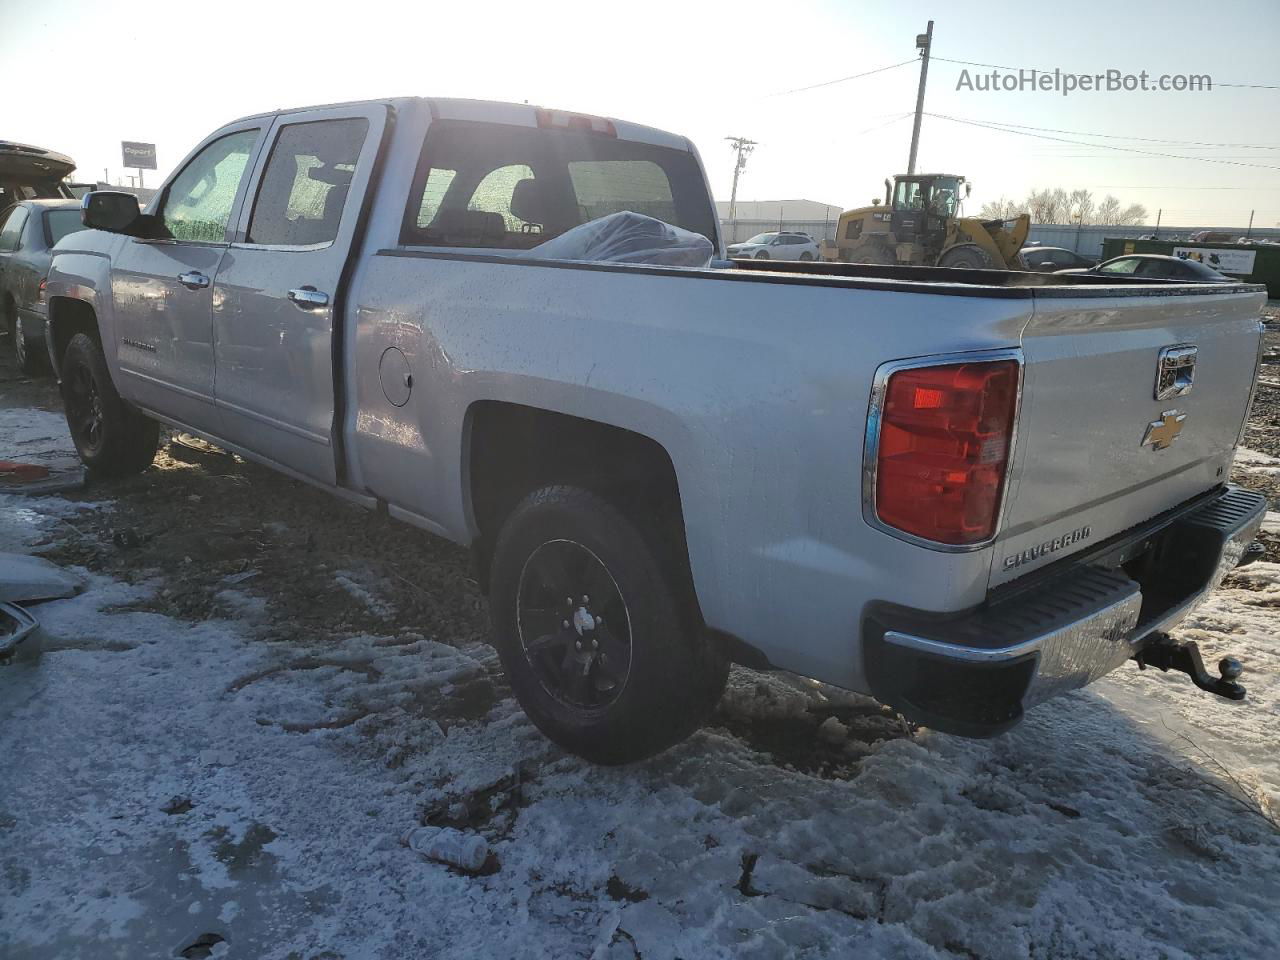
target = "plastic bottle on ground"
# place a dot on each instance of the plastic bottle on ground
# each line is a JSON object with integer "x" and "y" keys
{"x": 467, "y": 851}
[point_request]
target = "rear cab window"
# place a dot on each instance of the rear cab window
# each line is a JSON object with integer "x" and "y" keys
{"x": 506, "y": 187}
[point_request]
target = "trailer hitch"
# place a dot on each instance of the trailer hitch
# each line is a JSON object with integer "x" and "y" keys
{"x": 1167, "y": 654}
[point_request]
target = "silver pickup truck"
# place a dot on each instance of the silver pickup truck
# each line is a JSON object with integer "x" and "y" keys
{"x": 960, "y": 491}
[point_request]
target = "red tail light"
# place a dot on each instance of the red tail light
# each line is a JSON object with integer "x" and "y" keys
{"x": 944, "y": 441}
{"x": 42, "y": 290}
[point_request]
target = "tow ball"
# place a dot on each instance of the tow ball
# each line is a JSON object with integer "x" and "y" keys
{"x": 1167, "y": 654}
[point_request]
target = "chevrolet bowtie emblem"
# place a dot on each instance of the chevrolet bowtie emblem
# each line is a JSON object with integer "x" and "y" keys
{"x": 1160, "y": 433}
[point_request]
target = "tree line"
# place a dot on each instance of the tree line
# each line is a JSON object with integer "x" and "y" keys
{"x": 1056, "y": 205}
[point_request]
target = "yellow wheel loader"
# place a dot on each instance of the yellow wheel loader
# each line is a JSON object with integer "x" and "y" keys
{"x": 919, "y": 225}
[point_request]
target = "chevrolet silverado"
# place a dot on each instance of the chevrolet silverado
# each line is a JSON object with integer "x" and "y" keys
{"x": 962, "y": 491}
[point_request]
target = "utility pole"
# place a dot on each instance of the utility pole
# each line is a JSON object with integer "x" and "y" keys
{"x": 924, "y": 41}
{"x": 1159, "y": 214}
{"x": 1248, "y": 232}
{"x": 744, "y": 148}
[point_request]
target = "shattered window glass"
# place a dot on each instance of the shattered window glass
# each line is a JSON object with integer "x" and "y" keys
{"x": 304, "y": 188}
{"x": 197, "y": 205}
{"x": 611, "y": 186}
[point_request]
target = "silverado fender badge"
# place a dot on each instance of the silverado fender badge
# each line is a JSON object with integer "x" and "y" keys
{"x": 1046, "y": 548}
{"x": 1160, "y": 433}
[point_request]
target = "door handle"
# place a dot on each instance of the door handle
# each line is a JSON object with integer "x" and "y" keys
{"x": 193, "y": 280}
{"x": 309, "y": 297}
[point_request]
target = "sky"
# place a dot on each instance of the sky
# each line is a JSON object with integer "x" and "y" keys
{"x": 172, "y": 72}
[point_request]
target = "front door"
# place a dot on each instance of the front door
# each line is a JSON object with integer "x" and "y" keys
{"x": 162, "y": 287}
{"x": 276, "y": 292}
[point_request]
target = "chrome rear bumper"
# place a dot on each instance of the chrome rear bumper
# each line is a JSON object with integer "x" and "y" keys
{"x": 976, "y": 674}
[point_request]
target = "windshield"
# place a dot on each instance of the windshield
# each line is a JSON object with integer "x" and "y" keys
{"x": 762, "y": 238}
{"x": 58, "y": 223}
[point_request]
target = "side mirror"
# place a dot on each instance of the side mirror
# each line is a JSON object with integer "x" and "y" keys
{"x": 109, "y": 210}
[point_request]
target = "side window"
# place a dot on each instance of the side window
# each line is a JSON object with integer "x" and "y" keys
{"x": 197, "y": 205}
{"x": 907, "y": 195}
{"x": 496, "y": 194}
{"x": 853, "y": 230}
{"x": 11, "y": 232}
{"x": 305, "y": 185}
{"x": 1120, "y": 266}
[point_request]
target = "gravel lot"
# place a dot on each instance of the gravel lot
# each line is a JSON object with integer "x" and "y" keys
{"x": 225, "y": 736}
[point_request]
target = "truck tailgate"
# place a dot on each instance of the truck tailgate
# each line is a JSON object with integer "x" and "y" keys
{"x": 1081, "y": 471}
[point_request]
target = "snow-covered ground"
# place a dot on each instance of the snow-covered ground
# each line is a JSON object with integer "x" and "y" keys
{"x": 167, "y": 783}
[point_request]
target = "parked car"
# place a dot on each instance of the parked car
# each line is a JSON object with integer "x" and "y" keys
{"x": 1155, "y": 266}
{"x": 28, "y": 231}
{"x": 1050, "y": 259}
{"x": 1212, "y": 236}
{"x": 32, "y": 173}
{"x": 777, "y": 246}
{"x": 655, "y": 473}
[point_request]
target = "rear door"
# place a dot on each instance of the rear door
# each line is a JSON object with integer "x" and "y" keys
{"x": 1131, "y": 405}
{"x": 275, "y": 296}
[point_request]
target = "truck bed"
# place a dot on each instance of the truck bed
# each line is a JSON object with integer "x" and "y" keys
{"x": 1008, "y": 283}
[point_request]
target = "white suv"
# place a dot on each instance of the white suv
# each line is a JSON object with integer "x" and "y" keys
{"x": 777, "y": 246}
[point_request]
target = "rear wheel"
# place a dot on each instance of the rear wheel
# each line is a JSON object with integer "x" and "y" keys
{"x": 24, "y": 351}
{"x": 603, "y": 652}
{"x": 806, "y": 256}
{"x": 872, "y": 251}
{"x": 112, "y": 438}
{"x": 966, "y": 256}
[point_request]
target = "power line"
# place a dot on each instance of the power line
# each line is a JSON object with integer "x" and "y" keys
{"x": 853, "y": 76}
{"x": 1003, "y": 66}
{"x": 878, "y": 126}
{"x": 1114, "y": 136}
{"x": 1102, "y": 146}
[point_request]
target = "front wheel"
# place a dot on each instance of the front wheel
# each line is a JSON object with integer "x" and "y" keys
{"x": 966, "y": 256}
{"x": 112, "y": 438}
{"x": 762, "y": 255}
{"x": 602, "y": 651}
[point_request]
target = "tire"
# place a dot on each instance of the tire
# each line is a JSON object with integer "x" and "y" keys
{"x": 9, "y": 323}
{"x": 968, "y": 256}
{"x": 763, "y": 255}
{"x": 607, "y": 713}
{"x": 806, "y": 256}
{"x": 112, "y": 438}
{"x": 31, "y": 357}
{"x": 872, "y": 251}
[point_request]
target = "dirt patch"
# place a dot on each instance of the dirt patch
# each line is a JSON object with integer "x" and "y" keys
{"x": 227, "y": 537}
